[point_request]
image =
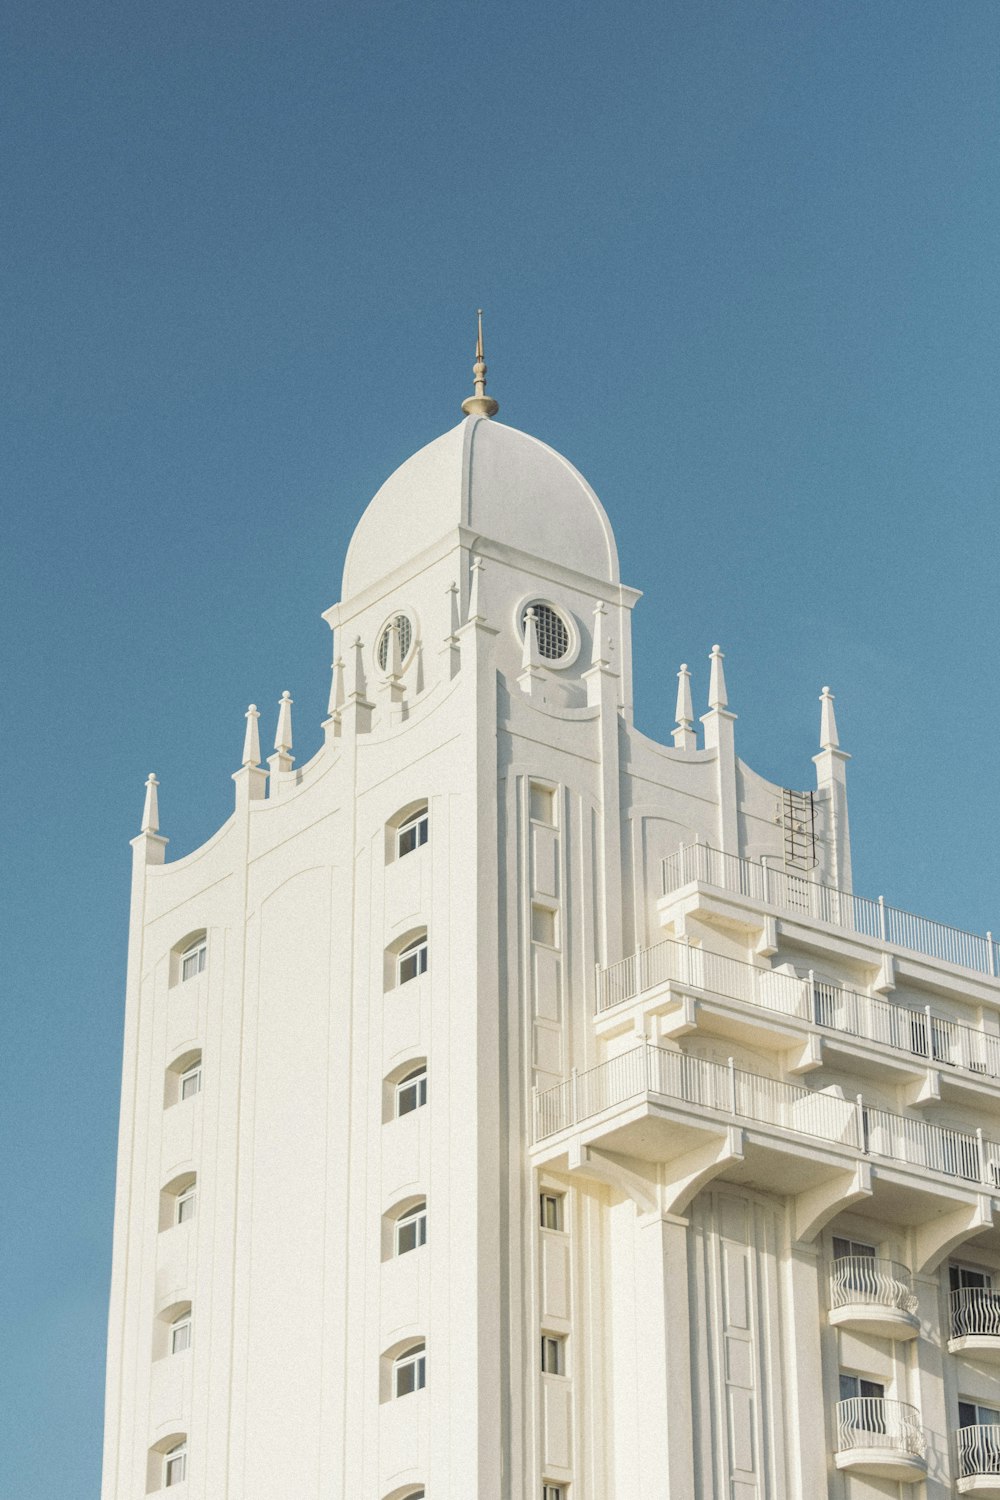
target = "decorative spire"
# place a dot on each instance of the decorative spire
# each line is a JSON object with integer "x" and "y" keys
{"x": 828, "y": 737}
{"x": 684, "y": 735}
{"x": 336, "y": 699}
{"x": 358, "y": 683}
{"x": 599, "y": 655}
{"x": 251, "y": 742}
{"x": 530, "y": 657}
{"x": 394, "y": 654}
{"x": 283, "y": 736}
{"x": 150, "y": 809}
{"x": 480, "y": 405}
{"x": 717, "y": 682}
{"x": 476, "y": 607}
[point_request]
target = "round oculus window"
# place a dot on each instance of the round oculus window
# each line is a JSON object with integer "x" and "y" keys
{"x": 551, "y": 630}
{"x": 404, "y": 625}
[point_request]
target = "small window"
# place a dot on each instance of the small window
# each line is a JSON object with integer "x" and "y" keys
{"x": 551, "y": 1207}
{"x": 853, "y": 1386}
{"x": 543, "y": 925}
{"x": 964, "y": 1278}
{"x": 186, "y": 1204}
{"x": 413, "y": 960}
{"x": 550, "y": 629}
{"x": 553, "y": 1354}
{"x": 842, "y": 1248}
{"x": 412, "y": 833}
{"x": 405, "y": 627}
{"x": 410, "y": 1371}
{"x": 970, "y": 1414}
{"x": 180, "y": 1333}
{"x": 175, "y": 1466}
{"x": 411, "y": 1229}
{"x": 411, "y": 1091}
{"x": 542, "y": 804}
{"x": 193, "y": 959}
{"x": 191, "y": 1081}
{"x": 554, "y": 1492}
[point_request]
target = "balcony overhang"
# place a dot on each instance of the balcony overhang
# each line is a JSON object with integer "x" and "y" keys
{"x": 883, "y": 1463}
{"x": 983, "y": 1347}
{"x": 987, "y": 1485}
{"x": 874, "y": 1318}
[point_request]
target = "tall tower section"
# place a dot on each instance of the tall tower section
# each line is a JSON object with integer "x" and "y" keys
{"x": 517, "y": 1108}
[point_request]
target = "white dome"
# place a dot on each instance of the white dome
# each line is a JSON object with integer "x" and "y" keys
{"x": 495, "y": 481}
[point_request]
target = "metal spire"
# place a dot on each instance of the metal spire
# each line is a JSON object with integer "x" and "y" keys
{"x": 480, "y": 405}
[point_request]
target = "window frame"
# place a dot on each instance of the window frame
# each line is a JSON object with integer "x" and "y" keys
{"x": 197, "y": 950}
{"x": 553, "y": 1491}
{"x": 417, "y": 1082}
{"x": 181, "y": 1324}
{"x": 553, "y": 1354}
{"x": 176, "y": 1455}
{"x": 414, "y": 1218}
{"x": 191, "y": 1074}
{"x": 537, "y": 791}
{"x": 415, "y": 1359}
{"x": 188, "y": 1195}
{"x": 418, "y": 823}
{"x": 416, "y": 951}
{"x": 558, "y": 1201}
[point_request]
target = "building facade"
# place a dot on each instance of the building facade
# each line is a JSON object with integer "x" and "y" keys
{"x": 517, "y": 1108}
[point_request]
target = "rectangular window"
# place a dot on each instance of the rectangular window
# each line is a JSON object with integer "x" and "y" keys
{"x": 542, "y": 804}
{"x": 412, "y": 833}
{"x": 411, "y": 1374}
{"x": 180, "y": 1337}
{"x": 553, "y": 1355}
{"x": 411, "y": 1093}
{"x": 962, "y": 1278}
{"x": 543, "y": 925}
{"x": 176, "y": 1469}
{"x": 553, "y": 1492}
{"x": 413, "y": 961}
{"x": 185, "y": 1207}
{"x": 551, "y": 1207}
{"x": 411, "y": 1231}
{"x": 193, "y": 961}
{"x": 191, "y": 1082}
{"x": 842, "y": 1247}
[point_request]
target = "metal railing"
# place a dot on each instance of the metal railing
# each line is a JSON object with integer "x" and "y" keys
{"x": 975, "y": 1310}
{"x": 919, "y": 1033}
{"x": 649, "y": 1069}
{"x": 979, "y": 1450}
{"x": 873, "y": 1281}
{"x": 826, "y": 903}
{"x": 874, "y": 1422}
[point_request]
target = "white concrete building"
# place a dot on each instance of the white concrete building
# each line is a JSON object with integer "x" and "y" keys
{"x": 515, "y": 1108}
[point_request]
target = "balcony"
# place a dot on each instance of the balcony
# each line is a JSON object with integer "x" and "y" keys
{"x": 804, "y": 897}
{"x": 975, "y": 1323}
{"x": 979, "y": 1461}
{"x": 874, "y": 1296}
{"x": 652, "y": 1102}
{"x": 920, "y": 1037}
{"x": 880, "y": 1438}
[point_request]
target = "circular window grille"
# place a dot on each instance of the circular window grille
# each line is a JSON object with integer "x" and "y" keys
{"x": 402, "y": 624}
{"x": 550, "y": 628}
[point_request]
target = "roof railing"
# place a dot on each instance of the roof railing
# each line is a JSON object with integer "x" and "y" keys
{"x": 805, "y": 896}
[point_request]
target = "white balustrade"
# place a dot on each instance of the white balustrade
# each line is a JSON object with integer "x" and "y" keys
{"x": 873, "y": 1422}
{"x": 979, "y": 1450}
{"x": 826, "y": 903}
{"x": 871, "y": 1280}
{"x": 975, "y": 1310}
{"x": 919, "y": 1033}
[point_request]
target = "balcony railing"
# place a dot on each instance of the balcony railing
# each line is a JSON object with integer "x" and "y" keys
{"x": 919, "y": 1033}
{"x": 873, "y": 1281}
{"x": 826, "y": 903}
{"x": 649, "y": 1069}
{"x": 979, "y": 1450}
{"x": 975, "y": 1310}
{"x": 873, "y": 1422}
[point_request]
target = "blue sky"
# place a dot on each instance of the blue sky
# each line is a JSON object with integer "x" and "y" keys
{"x": 739, "y": 264}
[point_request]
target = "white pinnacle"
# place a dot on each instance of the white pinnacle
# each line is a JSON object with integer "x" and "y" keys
{"x": 336, "y": 700}
{"x": 828, "y": 737}
{"x": 476, "y": 590}
{"x": 717, "y": 682}
{"x": 684, "y": 713}
{"x": 251, "y": 740}
{"x": 599, "y": 656}
{"x": 283, "y": 736}
{"x": 529, "y": 651}
{"x": 150, "y": 810}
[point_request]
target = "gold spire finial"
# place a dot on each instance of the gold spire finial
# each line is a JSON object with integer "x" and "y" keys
{"x": 480, "y": 405}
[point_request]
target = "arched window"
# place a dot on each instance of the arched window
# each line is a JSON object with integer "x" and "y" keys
{"x": 411, "y": 1091}
{"x": 412, "y": 960}
{"x": 193, "y": 959}
{"x": 175, "y": 1465}
{"x": 183, "y": 1078}
{"x": 180, "y": 1332}
{"x": 178, "y": 1200}
{"x": 409, "y": 1371}
{"x": 411, "y": 1229}
{"x": 412, "y": 832}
